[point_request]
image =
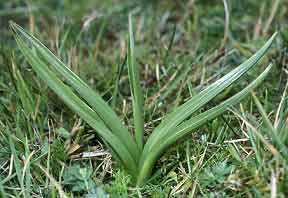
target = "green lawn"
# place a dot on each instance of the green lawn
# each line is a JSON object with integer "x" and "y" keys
{"x": 48, "y": 149}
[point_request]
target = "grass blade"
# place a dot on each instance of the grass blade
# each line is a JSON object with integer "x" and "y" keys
{"x": 26, "y": 170}
{"x": 272, "y": 133}
{"x": 17, "y": 163}
{"x": 24, "y": 92}
{"x": 257, "y": 134}
{"x": 135, "y": 89}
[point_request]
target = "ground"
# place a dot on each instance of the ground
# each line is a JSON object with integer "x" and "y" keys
{"x": 46, "y": 150}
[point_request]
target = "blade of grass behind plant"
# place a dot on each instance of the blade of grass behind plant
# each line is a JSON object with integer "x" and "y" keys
{"x": 117, "y": 81}
{"x": 26, "y": 170}
{"x": 2, "y": 192}
{"x": 272, "y": 133}
{"x": 16, "y": 159}
{"x": 23, "y": 92}
{"x": 137, "y": 96}
{"x": 281, "y": 107}
{"x": 257, "y": 133}
{"x": 178, "y": 80}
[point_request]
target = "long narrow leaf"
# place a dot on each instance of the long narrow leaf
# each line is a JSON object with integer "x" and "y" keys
{"x": 78, "y": 106}
{"x": 107, "y": 115}
{"x": 24, "y": 93}
{"x": 272, "y": 133}
{"x": 196, "y": 102}
{"x": 136, "y": 92}
{"x": 17, "y": 163}
{"x": 187, "y": 127}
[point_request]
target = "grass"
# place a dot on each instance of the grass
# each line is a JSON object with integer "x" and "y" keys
{"x": 173, "y": 55}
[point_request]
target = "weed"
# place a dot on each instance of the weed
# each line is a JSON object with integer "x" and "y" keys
{"x": 137, "y": 157}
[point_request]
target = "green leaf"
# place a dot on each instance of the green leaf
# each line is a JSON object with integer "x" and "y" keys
{"x": 96, "y": 191}
{"x": 24, "y": 92}
{"x": 2, "y": 192}
{"x": 136, "y": 92}
{"x": 272, "y": 133}
{"x": 148, "y": 159}
{"x": 184, "y": 111}
{"x": 104, "y": 112}
{"x": 78, "y": 178}
{"x": 27, "y": 171}
{"x": 78, "y": 106}
{"x": 200, "y": 119}
{"x": 17, "y": 163}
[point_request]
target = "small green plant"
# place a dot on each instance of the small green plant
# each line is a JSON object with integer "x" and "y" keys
{"x": 78, "y": 178}
{"x": 133, "y": 153}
